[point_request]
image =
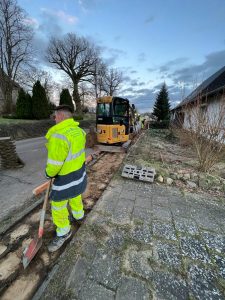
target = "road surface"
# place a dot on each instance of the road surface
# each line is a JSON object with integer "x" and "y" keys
{"x": 16, "y": 185}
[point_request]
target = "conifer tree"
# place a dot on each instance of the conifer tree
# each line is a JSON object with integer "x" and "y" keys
{"x": 65, "y": 98}
{"x": 161, "y": 107}
{"x": 40, "y": 105}
{"x": 24, "y": 105}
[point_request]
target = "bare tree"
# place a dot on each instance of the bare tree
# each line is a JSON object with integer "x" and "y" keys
{"x": 76, "y": 56}
{"x": 98, "y": 79}
{"x": 29, "y": 76}
{"x": 15, "y": 46}
{"x": 111, "y": 81}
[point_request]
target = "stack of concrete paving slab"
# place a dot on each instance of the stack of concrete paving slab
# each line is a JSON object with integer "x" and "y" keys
{"x": 139, "y": 173}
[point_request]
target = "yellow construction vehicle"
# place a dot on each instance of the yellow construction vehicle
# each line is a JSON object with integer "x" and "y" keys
{"x": 114, "y": 120}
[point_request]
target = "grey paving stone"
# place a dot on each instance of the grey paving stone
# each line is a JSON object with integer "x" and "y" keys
{"x": 213, "y": 241}
{"x": 142, "y": 233}
{"x": 168, "y": 286}
{"x": 97, "y": 218}
{"x": 160, "y": 200}
{"x": 107, "y": 202}
{"x": 129, "y": 195}
{"x": 218, "y": 214}
{"x": 144, "y": 193}
{"x": 106, "y": 269}
{"x": 186, "y": 225}
{"x": 116, "y": 240}
{"x": 132, "y": 289}
{"x": 162, "y": 213}
{"x": 220, "y": 261}
{"x": 194, "y": 249}
{"x": 202, "y": 283}
{"x": 142, "y": 214}
{"x": 139, "y": 262}
{"x": 78, "y": 276}
{"x": 117, "y": 188}
{"x": 167, "y": 254}
{"x": 205, "y": 221}
{"x": 181, "y": 210}
{"x": 143, "y": 201}
{"x": 94, "y": 291}
{"x": 122, "y": 212}
{"x": 145, "y": 187}
{"x": 89, "y": 248}
{"x": 130, "y": 185}
{"x": 164, "y": 230}
{"x": 176, "y": 199}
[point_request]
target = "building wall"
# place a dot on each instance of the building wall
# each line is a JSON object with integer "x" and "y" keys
{"x": 14, "y": 98}
{"x": 210, "y": 111}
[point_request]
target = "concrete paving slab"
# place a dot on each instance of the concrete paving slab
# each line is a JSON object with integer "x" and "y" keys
{"x": 137, "y": 289}
{"x": 147, "y": 257}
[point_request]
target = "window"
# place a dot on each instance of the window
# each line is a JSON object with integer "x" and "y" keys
{"x": 103, "y": 109}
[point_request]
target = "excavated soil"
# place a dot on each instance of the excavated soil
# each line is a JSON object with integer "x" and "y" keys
{"x": 17, "y": 283}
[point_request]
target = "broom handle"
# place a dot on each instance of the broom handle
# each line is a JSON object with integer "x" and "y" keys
{"x": 42, "y": 217}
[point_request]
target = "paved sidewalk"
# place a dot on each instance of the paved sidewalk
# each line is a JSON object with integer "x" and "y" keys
{"x": 144, "y": 241}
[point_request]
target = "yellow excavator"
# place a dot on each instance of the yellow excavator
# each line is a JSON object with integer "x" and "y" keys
{"x": 115, "y": 120}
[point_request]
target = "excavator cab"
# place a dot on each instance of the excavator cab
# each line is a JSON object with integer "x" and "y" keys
{"x": 112, "y": 120}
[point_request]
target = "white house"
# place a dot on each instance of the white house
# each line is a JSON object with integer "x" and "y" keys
{"x": 206, "y": 101}
{"x": 16, "y": 88}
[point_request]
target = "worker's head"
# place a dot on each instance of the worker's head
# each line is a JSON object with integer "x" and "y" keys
{"x": 62, "y": 112}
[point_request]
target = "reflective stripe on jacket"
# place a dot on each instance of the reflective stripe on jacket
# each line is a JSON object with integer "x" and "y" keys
{"x": 66, "y": 160}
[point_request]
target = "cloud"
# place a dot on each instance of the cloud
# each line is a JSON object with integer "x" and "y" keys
{"x": 32, "y": 22}
{"x": 130, "y": 89}
{"x": 183, "y": 77}
{"x": 141, "y": 57}
{"x": 195, "y": 74}
{"x": 149, "y": 19}
{"x": 61, "y": 15}
{"x": 173, "y": 63}
{"x": 117, "y": 38}
{"x": 126, "y": 79}
{"x": 151, "y": 69}
{"x": 50, "y": 25}
{"x": 134, "y": 82}
{"x": 113, "y": 53}
{"x": 88, "y": 5}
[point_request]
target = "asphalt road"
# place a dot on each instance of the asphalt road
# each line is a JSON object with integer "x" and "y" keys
{"x": 16, "y": 185}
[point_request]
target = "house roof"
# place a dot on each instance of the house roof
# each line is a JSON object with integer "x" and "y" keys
{"x": 214, "y": 83}
{"x": 4, "y": 76}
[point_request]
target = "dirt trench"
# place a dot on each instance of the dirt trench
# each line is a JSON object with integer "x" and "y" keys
{"x": 20, "y": 284}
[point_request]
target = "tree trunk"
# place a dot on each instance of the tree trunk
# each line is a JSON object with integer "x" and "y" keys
{"x": 76, "y": 98}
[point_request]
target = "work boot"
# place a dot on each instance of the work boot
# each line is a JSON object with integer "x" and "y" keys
{"x": 58, "y": 242}
{"x": 73, "y": 220}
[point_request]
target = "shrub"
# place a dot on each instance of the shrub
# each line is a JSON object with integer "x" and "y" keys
{"x": 40, "y": 104}
{"x": 24, "y": 105}
{"x": 65, "y": 98}
{"x": 160, "y": 124}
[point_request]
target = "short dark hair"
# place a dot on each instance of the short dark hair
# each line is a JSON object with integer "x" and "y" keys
{"x": 64, "y": 107}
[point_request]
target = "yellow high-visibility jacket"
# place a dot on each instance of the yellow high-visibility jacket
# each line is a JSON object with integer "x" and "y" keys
{"x": 66, "y": 160}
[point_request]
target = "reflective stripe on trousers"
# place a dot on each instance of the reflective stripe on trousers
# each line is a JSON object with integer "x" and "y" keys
{"x": 60, "y": 214}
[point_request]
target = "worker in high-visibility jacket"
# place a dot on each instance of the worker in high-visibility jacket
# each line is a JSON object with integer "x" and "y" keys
{"x": 65, "y": 163}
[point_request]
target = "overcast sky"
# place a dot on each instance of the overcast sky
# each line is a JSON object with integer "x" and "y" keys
{"x": 181, "y": 42}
